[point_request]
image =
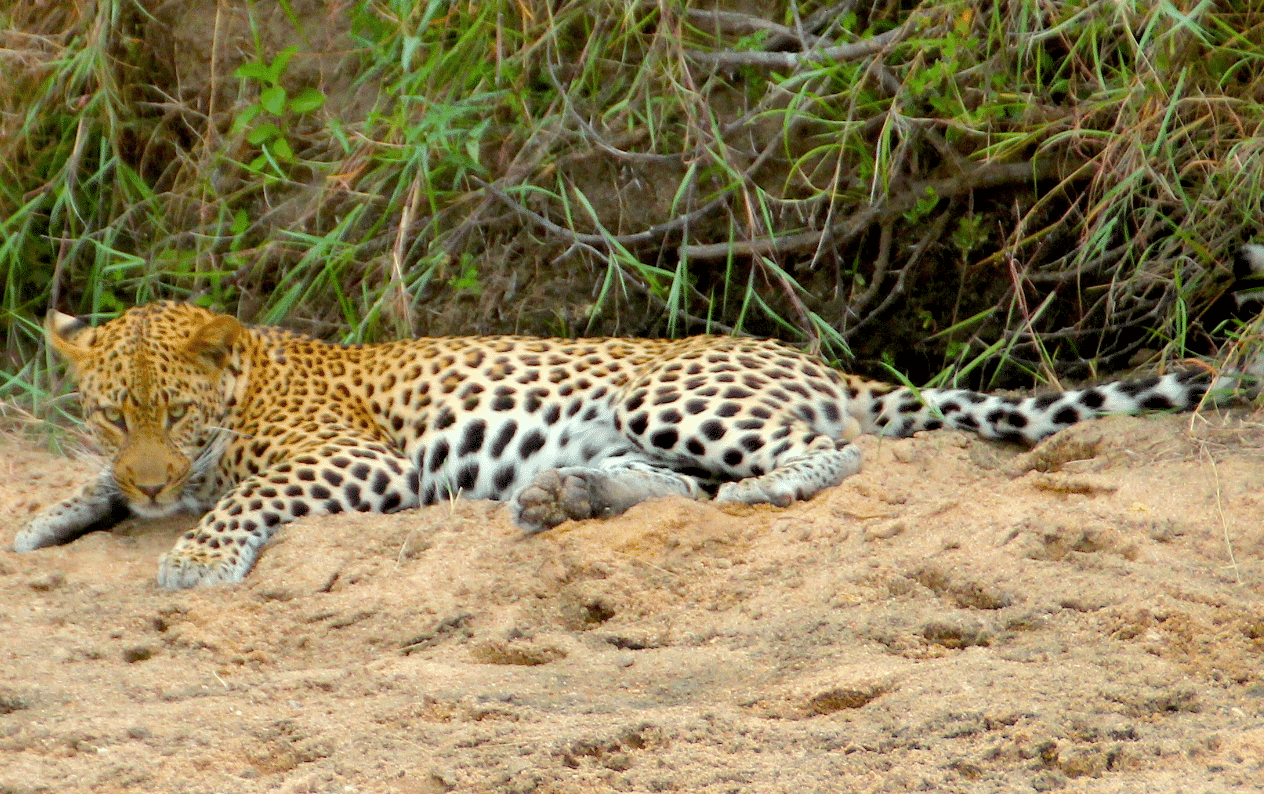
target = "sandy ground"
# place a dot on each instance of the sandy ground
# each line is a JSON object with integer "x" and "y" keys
{"x": 959, "y": 617}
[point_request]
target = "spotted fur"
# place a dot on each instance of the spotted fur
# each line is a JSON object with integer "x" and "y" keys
{"x": 258, "y": 426}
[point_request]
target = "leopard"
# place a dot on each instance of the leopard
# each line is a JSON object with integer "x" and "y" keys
{"x": 253, "y": 427}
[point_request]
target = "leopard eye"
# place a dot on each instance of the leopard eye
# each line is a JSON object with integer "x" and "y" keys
{"x": 176, "y": 412}
{"x": 114, "y": 416}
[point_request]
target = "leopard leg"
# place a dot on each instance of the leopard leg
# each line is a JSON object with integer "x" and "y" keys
{"x": 336, "y": 477}
{"x": 801, "y": 477}
{"x": 577, "y": 492}
{"x": 97, "y": 506}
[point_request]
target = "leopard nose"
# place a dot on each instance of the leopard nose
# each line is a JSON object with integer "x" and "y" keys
{"x": 150, "y": 490}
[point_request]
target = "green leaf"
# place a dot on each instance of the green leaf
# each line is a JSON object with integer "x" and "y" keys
{"x": 307, "y": 100}
{"x": 245, "y": 117}
{"x": 240, "y": 221}
{"x": 279, "y": 63}
{"x": 273, "y": 99}
{"x": 281, "y": 150}
{"x": 254, "y": 71}
{"x": 264, "y": 132}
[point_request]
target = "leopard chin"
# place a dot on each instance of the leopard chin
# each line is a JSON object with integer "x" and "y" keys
{"x": 150, "y": 509}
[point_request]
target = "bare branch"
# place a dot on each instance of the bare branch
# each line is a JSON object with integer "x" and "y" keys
{"x": 932, "y": 234}
{"x": 981, "y": 177}
{"x": 732, "y": 21}
{"x": 795, "y": 60}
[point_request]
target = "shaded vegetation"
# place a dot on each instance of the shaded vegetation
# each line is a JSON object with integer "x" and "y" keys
{"x": 964, "y": 186}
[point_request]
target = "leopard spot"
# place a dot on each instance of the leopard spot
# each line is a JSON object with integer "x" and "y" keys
{"x": 503, "y": 437}
{"x": 728, "y": 409}
{"x": 504, "y": 478}
{"x": 531, "y": 443}
{"x": 713, "y": 430}
{"x": 665, "y": 395}
{"x": 639, "y": 423}
{"x": 380, "y": 483}
{"x": 1066, "y": 415}
{"x": 1091, "y": 398}
{"x": 665, "y": 439}
{"x": 472, "y": 442}
{"x": 467, "y": 477}
{"x": 1132, "y": 388}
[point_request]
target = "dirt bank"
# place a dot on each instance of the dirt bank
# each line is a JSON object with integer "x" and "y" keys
{"x": 958, "y": 617}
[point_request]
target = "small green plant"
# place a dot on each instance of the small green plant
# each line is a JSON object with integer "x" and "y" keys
{"x": 467, "y": 279}
{"x": 923, "y": 207}
{"x": 263, "y": 122}
{"x": 969, "y": 234}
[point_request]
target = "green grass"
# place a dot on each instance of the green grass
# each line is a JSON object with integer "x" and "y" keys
{"x": 1032, "y": 188}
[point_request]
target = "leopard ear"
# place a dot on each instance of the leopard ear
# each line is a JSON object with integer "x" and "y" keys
{"x": 213, "y": 342}
{"x": 69, "y": 336}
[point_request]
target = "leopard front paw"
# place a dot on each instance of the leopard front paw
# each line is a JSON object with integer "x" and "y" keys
{"x": 41, "y": 532}
{"x": 197, "y": 561}
{"x": 96, "y": 506}
{"x": 553, "y": 497}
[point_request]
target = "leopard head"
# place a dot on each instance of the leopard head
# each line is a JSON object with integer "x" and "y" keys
{"x": 155, "y": 385}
